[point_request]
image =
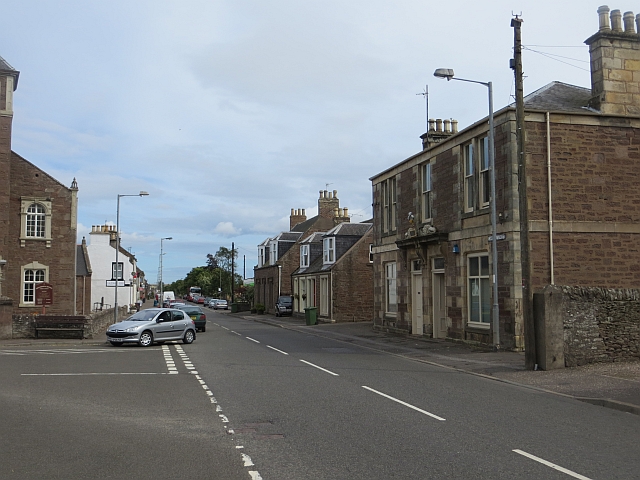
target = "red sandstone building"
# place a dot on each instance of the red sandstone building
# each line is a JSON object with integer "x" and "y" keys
{"x": 432, "y": 254}
{"x": 38, "y": 217}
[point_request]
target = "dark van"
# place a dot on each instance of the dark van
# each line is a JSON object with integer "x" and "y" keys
{"x": 284, "y": 306}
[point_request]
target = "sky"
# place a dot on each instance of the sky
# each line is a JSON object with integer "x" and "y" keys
{"x": 232, "y": 112}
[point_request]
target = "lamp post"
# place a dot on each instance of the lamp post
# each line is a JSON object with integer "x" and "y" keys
{"x": 449, "y": 75}
{"x": 161, "y": 254}
{"x": 117, "y": 269}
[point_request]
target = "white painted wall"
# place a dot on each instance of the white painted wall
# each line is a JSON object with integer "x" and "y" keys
{"x": 101, "y": 256}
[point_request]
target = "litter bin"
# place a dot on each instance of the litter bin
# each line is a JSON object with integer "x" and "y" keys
{"x": 234, "y": 308}
{"x": 311, "y": 315}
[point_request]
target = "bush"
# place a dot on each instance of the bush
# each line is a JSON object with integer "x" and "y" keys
{"x": 260, "y": 308}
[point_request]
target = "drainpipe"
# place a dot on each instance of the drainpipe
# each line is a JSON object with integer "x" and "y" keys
{"x": 550, "y": 204}
{"x": 279, "y": 279}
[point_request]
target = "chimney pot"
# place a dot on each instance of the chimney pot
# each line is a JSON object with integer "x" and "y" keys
{"x": 292, "y": 211}
{"x": 603, "y": 15}
{"x": 304, "y": 211}
{"x": 325, "y": 194}
{"x": 454, "y": 126}
{"x": 616, "y": 21}
{"x": 335, "y": 194}
{"x": 629, "y": 27}
{"x": 346, "y": 212}
{"x": 438, "y": 125}
{"x": 447, "y": 126}
{"x": 335, "y": 211}
{"x": 432, "y": 124}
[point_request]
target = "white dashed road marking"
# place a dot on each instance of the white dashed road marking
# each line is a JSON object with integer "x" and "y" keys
{"x": 320, "y": 368}
{"x": 404, "y": 403}
{"x": 552, "y": 465}
{"x": 274, "y": 348}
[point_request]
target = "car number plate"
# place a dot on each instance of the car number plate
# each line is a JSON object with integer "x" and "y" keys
{"x": 115, "y": 340}
{"x": 193, "y": 317}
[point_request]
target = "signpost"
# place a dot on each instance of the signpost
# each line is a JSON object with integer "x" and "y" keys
{"x": 44, "y": 295}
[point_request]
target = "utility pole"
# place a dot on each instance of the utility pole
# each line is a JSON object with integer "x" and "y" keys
{"x": 527, "y": 300}
{"x": 233, "y": 261}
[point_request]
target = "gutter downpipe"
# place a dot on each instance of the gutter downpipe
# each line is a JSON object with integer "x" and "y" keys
{"x": 279, "y": 279}
{"x": 550, "y": 204}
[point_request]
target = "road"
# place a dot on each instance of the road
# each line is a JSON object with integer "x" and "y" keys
{"x": 251, "y": 400}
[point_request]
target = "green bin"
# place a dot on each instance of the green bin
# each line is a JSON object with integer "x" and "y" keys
{"x": 234, "y": 308}
{"x": 311, "y": 315}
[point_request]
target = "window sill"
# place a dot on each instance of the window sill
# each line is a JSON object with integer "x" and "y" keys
{"x": 24, "y": 240}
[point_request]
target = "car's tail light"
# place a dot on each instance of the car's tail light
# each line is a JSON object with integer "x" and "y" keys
{"x": 204, "y": 317}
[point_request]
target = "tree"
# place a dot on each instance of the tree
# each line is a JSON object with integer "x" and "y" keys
{"x": 212, "y": 262}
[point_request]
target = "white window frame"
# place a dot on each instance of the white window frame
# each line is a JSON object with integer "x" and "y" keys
{"x": 31, "y": 267}
{"x": 261, "y": 256}
{"x": 273, "y": 253}
{"x": 114, "y": 273}
{"x": 25, "y": 205}
{"x": 479, "y": 290}
{"x": 391, "y": 289}
{"x": 485, "y": 185}
{"x": 427, "y": 214}
{"x": 328, "y": 250}
{"x": 469, "y": 177}
{"x": 304, "y": 256}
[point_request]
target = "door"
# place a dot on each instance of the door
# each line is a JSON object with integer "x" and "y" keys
{"x": 416, "y": 303}
{"x": 439, "y": 306}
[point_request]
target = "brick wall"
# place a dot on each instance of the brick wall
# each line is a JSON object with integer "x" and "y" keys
{"x": 352, "y": 289}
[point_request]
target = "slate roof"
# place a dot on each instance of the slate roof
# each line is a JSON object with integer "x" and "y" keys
{"x": 304, "y": 226}
{"x": 559, "y": 97}
{"x": 5, "y": 67}
{"x": 314, "y": 237}
{"x": 350, "y": 229}
{"x": 287, "y": 237}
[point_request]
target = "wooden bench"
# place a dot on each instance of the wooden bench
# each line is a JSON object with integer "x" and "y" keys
{"x": 51, "y": 323}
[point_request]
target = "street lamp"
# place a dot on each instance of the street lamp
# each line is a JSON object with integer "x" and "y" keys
{"x": 449, "y": 75}
{"x": 161, "y": 254}
{"x": 117, "y": 268}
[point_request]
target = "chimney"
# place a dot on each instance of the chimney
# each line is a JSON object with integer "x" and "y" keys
{"x": 437, "y": 133}
{"x": 327, "y": 203}
{"x": 615, "y": 63}
{"x": 297, "y": 216}
{"x": 340, "y": 215}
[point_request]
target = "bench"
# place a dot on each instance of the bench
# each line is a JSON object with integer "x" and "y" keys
{"x": 65, "y": 324}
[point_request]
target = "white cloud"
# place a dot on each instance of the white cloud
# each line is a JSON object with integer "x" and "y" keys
{"x": 226, "y": 229}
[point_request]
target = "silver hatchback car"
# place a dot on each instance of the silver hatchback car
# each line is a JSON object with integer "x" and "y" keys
{"x": 153, "y": 325}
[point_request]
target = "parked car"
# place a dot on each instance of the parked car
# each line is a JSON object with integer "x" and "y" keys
{"x": 284, "y": 305}
{"x": 153, "y": 325}
{"x": 197, "y": 315}
{"x": 200, "y": 301}
{"x": 211, "y": 302}
{"x": 220, "y": 304}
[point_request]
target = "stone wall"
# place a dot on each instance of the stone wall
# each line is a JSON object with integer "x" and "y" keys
{"x": 598, "y": 324}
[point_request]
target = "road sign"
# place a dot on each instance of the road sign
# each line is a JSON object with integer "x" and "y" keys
{"x": 500, "y": 236}
{"x": 112, "y": 283}
{"x": 44, "y": 294}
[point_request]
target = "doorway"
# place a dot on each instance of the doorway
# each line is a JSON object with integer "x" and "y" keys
{"x": 416, "y": 299}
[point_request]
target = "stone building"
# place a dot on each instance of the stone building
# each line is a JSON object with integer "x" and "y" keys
{"x": 83, "y": 279}
{"x": 432, "y": 256}
{"x": 38, "y": 218}
{"x": 279, "y": 256}
{"x": 336, "y": 274}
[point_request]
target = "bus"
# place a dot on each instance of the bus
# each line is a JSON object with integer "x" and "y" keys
{"x": 194, "y": 291}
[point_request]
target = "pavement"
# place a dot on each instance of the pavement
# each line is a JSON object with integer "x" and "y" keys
{"x": 611, "y": 385}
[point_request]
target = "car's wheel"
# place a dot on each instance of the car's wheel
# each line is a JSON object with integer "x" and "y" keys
{"x": 204, "y": 328}
{"x": 146, "y": 339}
{"x": 189, "y": 337}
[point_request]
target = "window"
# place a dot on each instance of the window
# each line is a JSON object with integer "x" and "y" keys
{"x": 273, "y": 250}
{"x": 389, "y": 205}
{"x": 485, "y": 185}
{"x": 32, "y": 274}
{"x": 479, "y": 290}
{"x": 31, "y": 279}
{"x": 328, "y": 250}
{"x": 426, "y": 192}
{"x": 178, "y": 316}
{"x": 469, "y": 179}
{"x": 304, "y": 256}
{"x": 35, "y": 220}
{"x": 390, "y": 288}
{"x": 261, "y": 257}
{"x": 117, "y": 275}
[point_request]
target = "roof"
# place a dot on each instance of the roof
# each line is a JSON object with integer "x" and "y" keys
{"x": 315, "y": 237}
{"x": 287, "y": 237}
{"x": 304, "y": 226}
{"x": 350, "y": 229}
{"x": 5, "y": 67}
{"x": 83, "y": 266}
{"x": 559, "y": 97}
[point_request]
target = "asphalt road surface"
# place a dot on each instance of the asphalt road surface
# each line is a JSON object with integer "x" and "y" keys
{"x": 249, "y": 400}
